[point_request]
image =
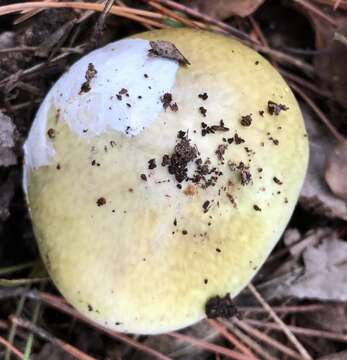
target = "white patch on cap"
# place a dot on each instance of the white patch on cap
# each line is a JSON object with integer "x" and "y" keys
{"x": 124, "y": 64}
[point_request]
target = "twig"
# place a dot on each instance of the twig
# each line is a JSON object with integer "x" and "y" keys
{"x": 208, "y": 346}
{"x": 34, "y": 48}
{"x": 319, "y": 113}
{"x": 301, "y": 331}
{"x": 22, "y": 106}
{"x": 68, "y": 348}
{"x": 283, "y": 326}
{"x": 11, "y": 348}
{"x": 34, "y": 68}
{"x": 266, "y": 339}
{"x": 231, "y": 338}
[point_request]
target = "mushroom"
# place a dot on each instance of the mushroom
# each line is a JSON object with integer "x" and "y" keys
{"x": 160, "y": 171}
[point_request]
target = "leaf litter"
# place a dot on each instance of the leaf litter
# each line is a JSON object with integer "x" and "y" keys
{"x": 307, "y": 268}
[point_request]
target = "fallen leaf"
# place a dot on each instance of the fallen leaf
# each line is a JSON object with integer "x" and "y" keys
{"x": 336, "y": 170}
{"x": 325, "y": 270}
{"x": 316, "y": 195}
{"x": 222, "y": 9}
{"x": 168, "y": 50}
{"x": 7, "y": 141}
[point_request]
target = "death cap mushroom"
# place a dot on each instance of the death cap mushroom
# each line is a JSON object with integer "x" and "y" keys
{"x": 160, "y": 171}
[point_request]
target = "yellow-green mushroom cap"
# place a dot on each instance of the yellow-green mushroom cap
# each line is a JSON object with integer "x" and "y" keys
{"x": 155, "y": 185}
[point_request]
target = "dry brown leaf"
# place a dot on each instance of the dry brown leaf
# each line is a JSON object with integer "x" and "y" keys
{"x": 316, "y": 195}
{"x": 168, "y": 50}
{"x": 336, "y": 170}
{"x": 325, "y": 270}
{"x": 7, "y": 141}
{"x": 222, "y": 9}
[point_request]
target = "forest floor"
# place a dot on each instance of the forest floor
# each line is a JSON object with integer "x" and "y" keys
{"x": 296, "y": 307}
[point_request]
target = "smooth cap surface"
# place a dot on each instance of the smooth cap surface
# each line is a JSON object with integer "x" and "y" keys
{"x": 144, "y": 210}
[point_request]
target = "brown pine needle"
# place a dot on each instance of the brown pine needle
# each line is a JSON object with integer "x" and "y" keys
{"x": 316, "y": 10}
{"x": 301, "y": 331}
{"x": 284, "y": 309}
{"x": 59, "y": 304}
{"x": 267, "y": 339}
{"x": 283, "y": 326}
{"x": 306, "y": 84}
{"x": 318, "y": 112}
{"x": 209, "y": 346}
{"x": 173, "y": 15}
{"x": 231, "y": 338}
{"x": 206, "y": 18}
{"x": 252, "y": 344}
{"x": 11, "y": 348}
{"x": 130, "y": 13}
{"x": 73, "y": 351}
